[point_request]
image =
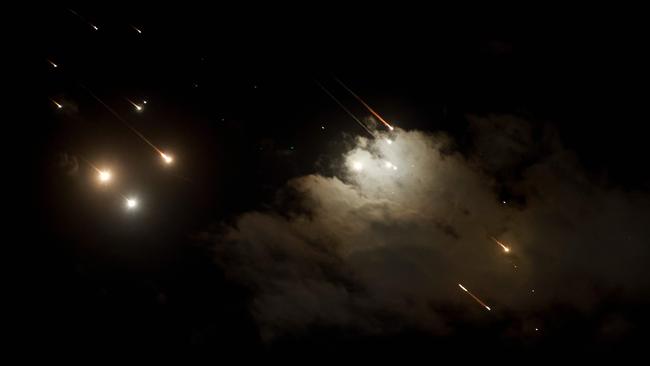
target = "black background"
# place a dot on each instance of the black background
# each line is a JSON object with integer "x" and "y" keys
{"x": 232, "y": 94}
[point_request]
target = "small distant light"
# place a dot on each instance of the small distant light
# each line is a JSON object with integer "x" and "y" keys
{"x": 322, "y": 127}
{"x": 537, "y": 329}
{"x": 144, "y": 101}
{"x": 95, "y": 27}
{"x": 504, "y": 202}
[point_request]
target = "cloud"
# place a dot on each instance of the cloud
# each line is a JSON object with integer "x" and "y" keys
{"x": 382, "y": 246}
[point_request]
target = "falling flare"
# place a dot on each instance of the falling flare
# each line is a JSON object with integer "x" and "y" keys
{"x": 505, "y": 248}
{"x": 136, "y": 29}
{"x": 474, "y": 297}
{"x": 168, "y": 159}
{"x": 345, "y": 109}
{"x": 131, "y": 203}
{"x": 57, "y": 104}
{"x": 53, "y": 64}
{"x": 127, "y": 124}
{"x": 364, "y": 104}
{"x": 104, "y": 176}
{"x": 136, "y": 106}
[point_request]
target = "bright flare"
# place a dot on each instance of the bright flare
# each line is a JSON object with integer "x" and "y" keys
{"x": 474, "y": 297}
{"x": 131, "y": 203}
{"x": 104, "y": 176}
{"x": 505, "y": 248}
{"x": 53, "y": 64}
{"x": 365, "y": 104}
{"x": 136, "y": 106}
{"x": 168, "y": 159}
{"x": 57, "y": 104}
{"x": 357, "y": 166}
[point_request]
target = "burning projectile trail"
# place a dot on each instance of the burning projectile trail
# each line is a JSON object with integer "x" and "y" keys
{"x": 56, "y": 104}
{"x": 364, "y": 104}
{"x": 345, "y": 109}
{"x": 136, "y": 29}
{"x": 127, "y": 124}
{"x": 505, "y": 248}
{"x": 104, "y": 176}
{"x": 53, "y": 64}
{"x": 83, "y": 19}
{"x": 474, "y": 297}
{"x": 135, "y": 105}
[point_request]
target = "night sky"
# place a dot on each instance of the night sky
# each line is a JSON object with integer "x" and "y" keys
{"x": 283, "y": 229}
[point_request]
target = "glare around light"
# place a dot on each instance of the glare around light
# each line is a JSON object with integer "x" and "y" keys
{"x": 131, "y": 203}
{"x": 168, "y": 159}
{"x": 104, "y": 176}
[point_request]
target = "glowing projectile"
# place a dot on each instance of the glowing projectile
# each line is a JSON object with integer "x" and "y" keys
{"x": 474, "y": 297}
{"x": 505, "y": 248}
{"x": 365, "y": 104}
{"x": 131, "y": 203}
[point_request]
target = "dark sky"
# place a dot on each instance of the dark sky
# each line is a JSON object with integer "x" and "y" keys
{"x": 233, "y": 95}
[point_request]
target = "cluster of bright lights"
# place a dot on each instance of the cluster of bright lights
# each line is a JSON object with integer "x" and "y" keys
{"x": 390, "y": 165}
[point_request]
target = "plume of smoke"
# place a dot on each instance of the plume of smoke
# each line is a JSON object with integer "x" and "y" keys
{"x": 381, "y": 246}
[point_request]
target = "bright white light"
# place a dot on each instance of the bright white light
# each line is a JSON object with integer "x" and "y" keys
{"x": 168, "y": 159}
{"x": 144, "y": 101}
{"x": 95, "y": 27}
{"x": 357, "y": 166}
{"x": 104, "y": 176}
{"x": 138, "y": 108}
{"x": 131, "y": 203}
{"x": 389, "y": 141}
{"x": 57, "y": 105}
